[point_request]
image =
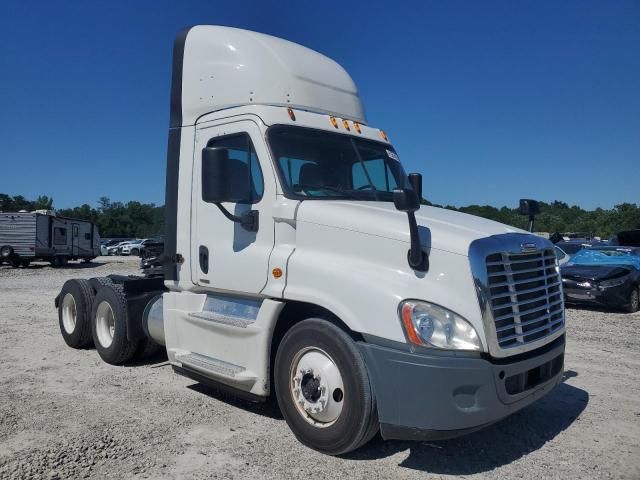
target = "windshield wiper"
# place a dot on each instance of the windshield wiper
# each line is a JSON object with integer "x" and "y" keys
{"x": 329, "y": 188}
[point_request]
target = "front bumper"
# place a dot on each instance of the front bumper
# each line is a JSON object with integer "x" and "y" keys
{"x": 608, "y": 297}
{"x": 441, "y": 395}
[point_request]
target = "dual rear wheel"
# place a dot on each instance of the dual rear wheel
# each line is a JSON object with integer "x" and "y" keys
{"x": 87, "y": 318}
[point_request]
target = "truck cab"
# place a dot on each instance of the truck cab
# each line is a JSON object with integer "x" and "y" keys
{"x": 301, "y": 263}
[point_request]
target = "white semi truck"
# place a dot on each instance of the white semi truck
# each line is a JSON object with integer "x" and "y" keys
{"x": 299, "y": 263}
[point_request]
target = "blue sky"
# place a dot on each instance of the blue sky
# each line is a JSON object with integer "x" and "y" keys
{"x": 491, "y": 101}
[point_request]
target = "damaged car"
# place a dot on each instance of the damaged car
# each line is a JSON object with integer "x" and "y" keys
{"x": 604, "y": 276}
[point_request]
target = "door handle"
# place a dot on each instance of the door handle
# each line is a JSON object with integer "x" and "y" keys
{"x": 203, "y": 256}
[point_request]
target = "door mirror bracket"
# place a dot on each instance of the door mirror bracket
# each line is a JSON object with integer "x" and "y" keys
{"x": 408, "y": 200}
{"x": 248, "y": 220}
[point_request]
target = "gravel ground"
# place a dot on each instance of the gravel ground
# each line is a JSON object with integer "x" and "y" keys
{"x": 66, "y": 414}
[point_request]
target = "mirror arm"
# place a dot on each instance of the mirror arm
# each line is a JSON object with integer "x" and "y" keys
{"x": 248, "y": 220}
{"x": 418, "y": 259}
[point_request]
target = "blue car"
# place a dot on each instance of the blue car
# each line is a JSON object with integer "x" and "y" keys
{"x": 605, "y": 276}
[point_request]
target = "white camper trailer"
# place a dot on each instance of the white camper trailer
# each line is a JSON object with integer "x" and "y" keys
{"x": 29, "y": 236}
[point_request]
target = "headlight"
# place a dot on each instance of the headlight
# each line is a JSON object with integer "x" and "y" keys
{"x": 615, "y": 282}
{"x": 431, "y": 325}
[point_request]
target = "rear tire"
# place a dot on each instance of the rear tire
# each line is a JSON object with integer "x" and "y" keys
{"x": 634, "y": 300}
{"x": 16, "y": 262}
{"x": 25, "y": 263}
{"x": 109, "y": 326}
{"x": 323, "y": 388}
{"x": 56, "y": 262}
{"x": 99, "y": 282}
{"x": 74, "y": 313}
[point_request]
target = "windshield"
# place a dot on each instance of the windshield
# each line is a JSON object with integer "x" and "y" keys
{"x": 611, "y": 256}
{"x": 326, "y": 165}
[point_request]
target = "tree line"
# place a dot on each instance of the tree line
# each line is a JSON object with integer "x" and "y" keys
{"x": 136, "y": 219}
{"x": 114, "y": 219}
{"x": 559, "y": 217}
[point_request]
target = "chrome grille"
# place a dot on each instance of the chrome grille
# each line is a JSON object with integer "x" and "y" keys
{"x": 525, "y": 295}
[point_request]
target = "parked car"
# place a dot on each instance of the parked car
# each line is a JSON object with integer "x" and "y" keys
{"x": 150, "y": 261}
{"x": 104, "y": 246}
{"x": 608, "y": 276}
{"x": 116, "y": 248}
{"x": 571, "y": 247}
{"x": 134, "y": 247}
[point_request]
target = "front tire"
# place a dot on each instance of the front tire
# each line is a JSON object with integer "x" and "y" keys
{"x": 323, "y": 388}
{"x": 74, "y": 313}
{"x": 109, "y": 326}
{"x": 634, "y": 300}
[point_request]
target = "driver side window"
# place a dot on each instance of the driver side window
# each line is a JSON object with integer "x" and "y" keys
{"x": 247, "y": 168}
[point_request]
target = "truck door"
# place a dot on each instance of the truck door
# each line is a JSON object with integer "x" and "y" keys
{"x": 224, "y": 255}
{"x": 75, "y": 240}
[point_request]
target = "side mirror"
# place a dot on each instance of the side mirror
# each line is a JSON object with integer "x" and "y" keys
{"x": 224, "y": 179}
{"x": 227, "y": 180}
{"x": 415, "y": 180}
{"x": 406, "y": 200}
{"x": 529, "y": 207}
{"x": 214, "y": 188}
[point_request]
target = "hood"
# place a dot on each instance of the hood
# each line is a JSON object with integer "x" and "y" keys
{"x": 439, "y": 228}
{"x": 593, "y": 272}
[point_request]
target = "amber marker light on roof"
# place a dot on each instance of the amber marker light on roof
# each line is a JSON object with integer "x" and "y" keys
{"x": 356, "y": 125}
{"x": 334, "y": 122}
{"x": 384, "y": 136}
{"x": 292, "y": 115}
{"x": 345, "y": 123}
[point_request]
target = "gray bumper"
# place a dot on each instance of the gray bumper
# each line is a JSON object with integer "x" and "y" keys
{"x": 438, "y": 395}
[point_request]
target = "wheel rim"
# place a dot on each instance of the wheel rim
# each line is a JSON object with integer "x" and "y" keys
{"x": 316, "y": 387}
{"x": 69, "y": 313}
{"x": 105, "y": 324}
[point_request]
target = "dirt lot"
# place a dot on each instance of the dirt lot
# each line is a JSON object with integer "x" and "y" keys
{"x": 66, "y": 414}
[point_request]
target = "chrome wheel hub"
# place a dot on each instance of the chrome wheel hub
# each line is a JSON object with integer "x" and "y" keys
{"x": 69, "y": 313}
{"x": 317, "y": 387}
{"x": 105, "y": 324}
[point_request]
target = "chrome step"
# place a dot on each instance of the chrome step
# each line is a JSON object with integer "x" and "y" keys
{"x": 223, "y": 319}
{"x": 208, "y": 364}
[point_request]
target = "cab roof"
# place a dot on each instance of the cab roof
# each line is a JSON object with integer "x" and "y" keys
{"x": 217, "y": 67}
